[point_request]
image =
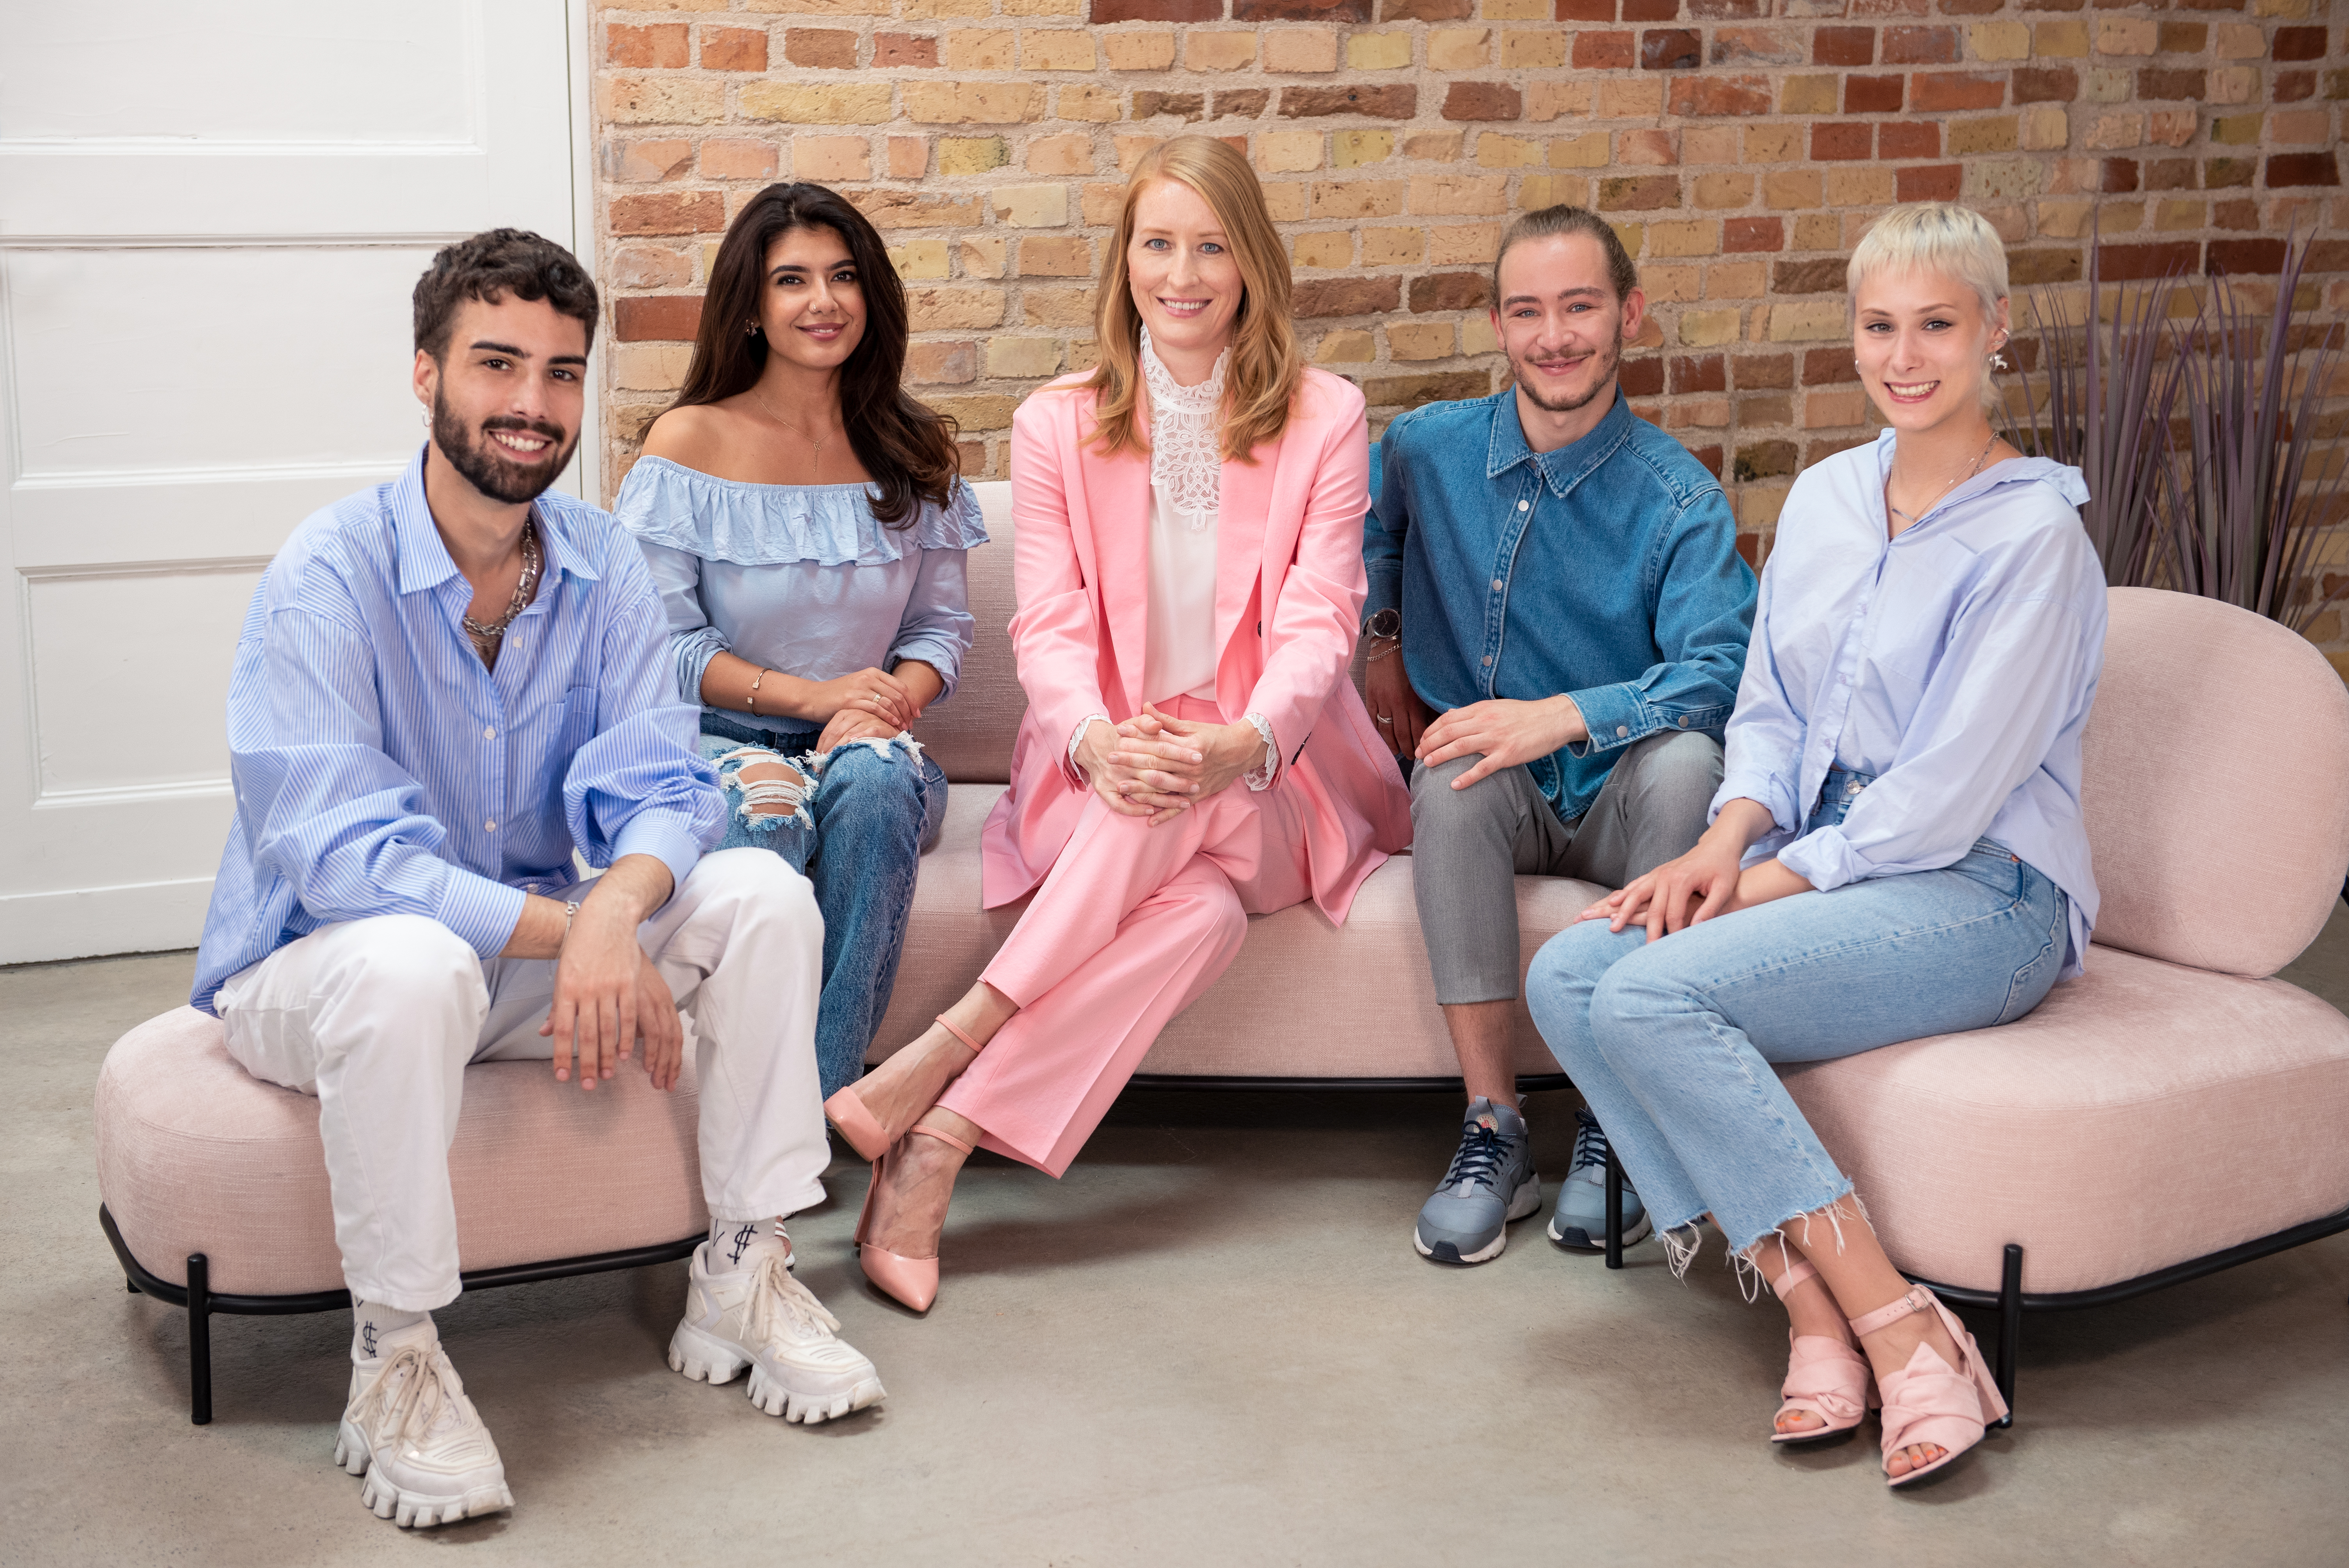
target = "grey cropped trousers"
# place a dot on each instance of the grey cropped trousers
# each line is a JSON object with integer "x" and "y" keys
{"x": 1468, "y": 845}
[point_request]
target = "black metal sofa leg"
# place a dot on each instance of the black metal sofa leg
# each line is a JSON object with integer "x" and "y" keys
{"x": 200, "y": 1340}
{"x": 1614, "y": 1211}
{"x": 2009, "y": 1326}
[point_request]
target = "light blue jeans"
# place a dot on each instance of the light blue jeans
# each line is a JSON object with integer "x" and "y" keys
{"x": 1671, "y": 1041}
{"x": 859, "y": 837}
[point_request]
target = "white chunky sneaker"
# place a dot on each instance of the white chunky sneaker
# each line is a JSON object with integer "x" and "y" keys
{"x": 419, "y": 1441}
{"x": 760, "y": 1318}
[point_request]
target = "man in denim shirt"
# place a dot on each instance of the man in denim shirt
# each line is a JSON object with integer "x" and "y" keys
{"x": 1558, "y": 619}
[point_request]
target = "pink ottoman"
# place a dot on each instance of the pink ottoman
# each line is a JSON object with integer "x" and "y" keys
{"x": 215, "y": 1184}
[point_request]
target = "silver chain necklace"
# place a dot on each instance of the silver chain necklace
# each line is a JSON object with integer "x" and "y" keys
{"x": 487, "y": 638}
{"x": 1945, "y": 489}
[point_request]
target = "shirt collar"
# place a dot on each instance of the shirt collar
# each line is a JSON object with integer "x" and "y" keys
{"x": 1569, "y": 466}
{"x": 2068, "y": 480}
{"x": 424, "y": 560}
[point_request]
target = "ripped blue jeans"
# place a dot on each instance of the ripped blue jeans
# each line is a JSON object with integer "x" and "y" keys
{"x": 1673, "y": 1041}
{"x": 858, "y": 835}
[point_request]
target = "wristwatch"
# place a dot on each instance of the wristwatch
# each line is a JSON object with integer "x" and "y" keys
{"x": 1386, "y": 623}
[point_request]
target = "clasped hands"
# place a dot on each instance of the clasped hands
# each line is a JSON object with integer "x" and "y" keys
{"x": 1706, "y": 882}
{"x": 868, "y": 705}
{"x": 607, "y": 992}
{"x": 1157, "y": 766}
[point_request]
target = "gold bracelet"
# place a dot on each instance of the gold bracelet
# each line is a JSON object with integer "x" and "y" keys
{"x": 1394, "y": 646}
{"x": 754, "y": 688}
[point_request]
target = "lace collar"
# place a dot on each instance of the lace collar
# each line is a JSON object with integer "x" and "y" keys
{"x": 1186, "y": 426}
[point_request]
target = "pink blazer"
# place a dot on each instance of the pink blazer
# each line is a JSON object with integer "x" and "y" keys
{"x": 1289, "y": 586}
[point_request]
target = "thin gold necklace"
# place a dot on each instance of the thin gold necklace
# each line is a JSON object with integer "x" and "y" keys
{"x": 802, "y": 435}
{"x": 1945, "y": 489}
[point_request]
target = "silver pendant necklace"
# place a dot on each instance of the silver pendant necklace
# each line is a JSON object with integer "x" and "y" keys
{"x": 1945, "y": 489}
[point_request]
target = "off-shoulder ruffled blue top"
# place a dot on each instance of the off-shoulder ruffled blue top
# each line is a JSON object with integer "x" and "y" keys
{"x": 800, "y": 578}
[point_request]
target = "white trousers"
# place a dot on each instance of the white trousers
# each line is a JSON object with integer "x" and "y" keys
{"x": 379, "y": 1018}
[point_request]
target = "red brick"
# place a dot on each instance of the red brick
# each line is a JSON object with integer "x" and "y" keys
{"x": 1843, "y": 46}
{"x": 1427, "y": 10}
{"x": 2184, "y": 37}
{"x": 1871, "y": 94}
{"x": 1643, "y": 376}
{"x": 1450, "y": 290}
{"x": 1920, "y": 45}
{"x": 733, "y": 49}
{"x": 2127, "y": 264}
{"x": 1928, "y": 183}
{"x": 1807, "y": 277}
{"x": 1102, "y": 11}
{"x": 1753, "y": 234}
{"x": 1669, "y": 49}
{"x": 1239, "y": 103}
{"x": 1708, "y": 459}
{"x": 1417, "y": 391}
{"x": 1698, "y": 372}
{"x": 1605, "y": 51}
{"x": 1483, "y": 100}
{"x": 1639, "y": 193}
{"x": 820, "y": 48}
{"x": 1764, "y": 372}
{"x": 1859, "y": 9}
{"x": 1346, "y": 296}
{"x": 2161, "y": 85}
{"x": 669, "y": 213}
{"x": 1149, "y": 105}
{"x": 1908, "y": 139}
{"x": 1652, "y": 10}
{"x": 2028, "y": 268}
{"x": 1721, "y": 10}
{"x": 1712, "y": 93}
{"x": 903, "y": 51}
{"x": 2298, "y": 44}
{"x": 2117, "y": 176}
{"x": 2053, "y": 5}
{"x": 2170, "y": 175}
{"x": 660, "y": 46}
{"x": 1400, "y": 102}
{"x": 1828, "y": 367}
{"x": 2303, "y": 169}
{"x": 1300, "y": 10}
{"x": 1755, "y": 46}
{"x": 2227, "y": 173}
{"x": 2046, "y": 83}
{"x": 1841, "y": 143}
{"x": 1956, "y": 89}
{"x": 1969, "y": 7}
{"x": 2291, "y": 87}
{"x": 667, "y": 318}
{"x": 1584, "y": 11}
{"x": 2245, "y": 256}
{"x": 2240, "y": 216}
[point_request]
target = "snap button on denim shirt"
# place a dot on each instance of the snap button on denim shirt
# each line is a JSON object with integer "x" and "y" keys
{"x": 1607, "y": 570}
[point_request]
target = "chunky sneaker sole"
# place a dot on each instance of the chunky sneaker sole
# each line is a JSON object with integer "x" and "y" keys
{"x": 807, "y": 1399}
{"x": 1446, "y": 1249}
{"x": 1574, "y": 1238}
{"x": 411, "y": 1510}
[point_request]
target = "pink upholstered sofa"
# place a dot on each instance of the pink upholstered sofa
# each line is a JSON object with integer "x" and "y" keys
{"x": 2216, "y": 761}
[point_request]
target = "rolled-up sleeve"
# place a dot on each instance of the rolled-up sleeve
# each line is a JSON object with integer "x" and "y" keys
{"x": 2015, "y": 665}
{"x": 937, "y": 624}
{"x": 326, "y": 809}
{"x": 639, "y": 786}
{"x": 1702, "y": 591}
{"x": 693, "y": 642}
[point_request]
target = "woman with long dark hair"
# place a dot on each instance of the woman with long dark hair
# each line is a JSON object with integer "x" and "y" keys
{"x": 804, "y": 519}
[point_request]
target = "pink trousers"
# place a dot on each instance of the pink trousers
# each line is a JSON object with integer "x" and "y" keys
{"x": 1132, "y": 924}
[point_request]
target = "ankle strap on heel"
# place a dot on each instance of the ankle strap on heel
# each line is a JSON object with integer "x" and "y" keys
{"x": 1918, "y": 1299}
{"x": 944, "y": 1023}
{"x": 942, "y": 1137}
{"x": 1798, "y": 1271}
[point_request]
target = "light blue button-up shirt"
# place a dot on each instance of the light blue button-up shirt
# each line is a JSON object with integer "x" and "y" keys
{"x": 1956, "y": 664}
{"x": 380, "y": 767}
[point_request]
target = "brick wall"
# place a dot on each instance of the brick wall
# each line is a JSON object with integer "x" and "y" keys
{"x": 1739, "y": 146}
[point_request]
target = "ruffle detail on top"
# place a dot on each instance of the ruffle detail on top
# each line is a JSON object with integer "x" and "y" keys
{"x": 665, "y": 504}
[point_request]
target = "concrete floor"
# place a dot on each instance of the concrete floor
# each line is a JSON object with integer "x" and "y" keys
{"x": 1211, "y": 1344}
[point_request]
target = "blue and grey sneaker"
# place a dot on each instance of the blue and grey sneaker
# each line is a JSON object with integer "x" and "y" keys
{"x": 1491, "y": 1183}
{"x": 1579, "y": 1223}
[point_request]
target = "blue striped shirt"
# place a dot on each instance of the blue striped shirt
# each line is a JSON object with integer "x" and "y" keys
{"x": 380, "y": 767}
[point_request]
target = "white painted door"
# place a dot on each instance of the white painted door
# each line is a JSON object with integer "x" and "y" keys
{"x": 211, "y": 214}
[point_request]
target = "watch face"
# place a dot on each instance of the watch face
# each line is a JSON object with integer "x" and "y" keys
{"x": 1386, "y": 623}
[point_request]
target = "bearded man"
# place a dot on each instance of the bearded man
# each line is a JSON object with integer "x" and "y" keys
{"x": 446, "y": 686}
{"x": 1557, "y": 620}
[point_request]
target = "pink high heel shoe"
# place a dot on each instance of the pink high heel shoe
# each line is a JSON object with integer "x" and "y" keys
{"x": 914, "y": 1281}
{"x": 1929, "y": 1402}
{"x": 1824, "y": 1378}
{"x": 864, "y": 1132}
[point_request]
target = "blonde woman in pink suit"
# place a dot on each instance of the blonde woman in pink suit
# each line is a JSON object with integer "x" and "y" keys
{"x": 1190, "y": 578}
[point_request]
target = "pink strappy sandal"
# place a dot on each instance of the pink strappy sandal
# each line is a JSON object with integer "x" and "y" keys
{"x": 864, "y": 1132}
{"x": 914, "y": 1281}
{"x": 1929, "y": 1402}
{"x": 1824, "y": 1378}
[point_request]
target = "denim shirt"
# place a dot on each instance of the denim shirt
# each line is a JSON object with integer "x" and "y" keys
{"x": 1607, "y": 570}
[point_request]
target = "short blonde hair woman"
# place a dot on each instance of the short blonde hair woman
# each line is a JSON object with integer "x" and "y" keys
{"x": 1897, "y": 848}
{"x": 1190, "y": 572}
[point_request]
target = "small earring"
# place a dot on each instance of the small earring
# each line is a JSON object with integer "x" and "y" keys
{"x": 751, "y": 330}
{"x": 424, "y": 416}
{"x": 1998, "y": 362}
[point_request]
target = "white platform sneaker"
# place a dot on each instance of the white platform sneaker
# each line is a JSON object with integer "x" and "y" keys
{"x": 411, "y": 1432}
{"x": 760, "y": 1318}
